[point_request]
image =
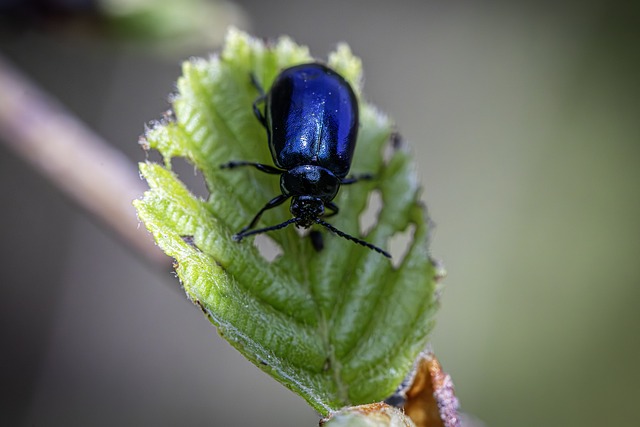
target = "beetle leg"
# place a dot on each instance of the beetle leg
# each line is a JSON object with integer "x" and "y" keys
{"x": 276, "y": 201}
{"x": 333, "y": 207}
{"x": 258, "y": 113}
{"x": 261, "y": 167}
{"x": 256, "y": 84}
{"x": 356, "y": 178}
{"x": 256, "y": 110}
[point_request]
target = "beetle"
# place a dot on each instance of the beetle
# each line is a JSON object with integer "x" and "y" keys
{"x": 311, "y": 119}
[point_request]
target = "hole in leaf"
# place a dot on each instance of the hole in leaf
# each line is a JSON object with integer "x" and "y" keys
{"x": 267, "y": 247}
{"x": 153, "y": 156}
{"x": 302, "y": 232}
{"x": 400, "y": 243}
{"x": 369, "y": 217}
{"x": 191, "y": 177}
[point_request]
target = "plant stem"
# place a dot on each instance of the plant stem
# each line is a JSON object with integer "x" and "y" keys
{"x": 77, "y": 161}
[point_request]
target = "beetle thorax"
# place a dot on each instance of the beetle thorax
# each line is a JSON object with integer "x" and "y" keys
{"x": 310, "y": 180}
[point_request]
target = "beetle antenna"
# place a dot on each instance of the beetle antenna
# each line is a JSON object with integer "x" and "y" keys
{"x": 238, "y": 237}
{"x": 353, "y": 239}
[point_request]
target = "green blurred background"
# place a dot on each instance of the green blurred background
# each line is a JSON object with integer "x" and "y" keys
{"x": 525, "y": 121}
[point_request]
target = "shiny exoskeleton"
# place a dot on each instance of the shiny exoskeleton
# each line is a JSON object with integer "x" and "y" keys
{"x": 311, "y": 118}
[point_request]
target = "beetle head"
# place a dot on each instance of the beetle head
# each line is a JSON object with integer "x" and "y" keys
{"x": 307, "y": 209}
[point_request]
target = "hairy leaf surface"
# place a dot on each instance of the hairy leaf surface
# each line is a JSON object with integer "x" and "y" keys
{"x": 339, "y": 327}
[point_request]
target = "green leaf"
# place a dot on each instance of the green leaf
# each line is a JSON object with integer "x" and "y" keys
{"x": 339, "y": 327}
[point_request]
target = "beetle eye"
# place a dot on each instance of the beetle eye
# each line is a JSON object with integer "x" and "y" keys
{"x": 330, "y": 189}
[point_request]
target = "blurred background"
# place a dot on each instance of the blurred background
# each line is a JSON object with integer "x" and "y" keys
{"x": 525, "y": 121}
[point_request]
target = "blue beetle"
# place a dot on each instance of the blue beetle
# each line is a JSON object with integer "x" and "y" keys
{"x": 311, "y": 118}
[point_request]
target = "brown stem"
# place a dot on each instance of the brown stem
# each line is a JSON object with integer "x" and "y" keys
{"x": 80, "y": 163}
